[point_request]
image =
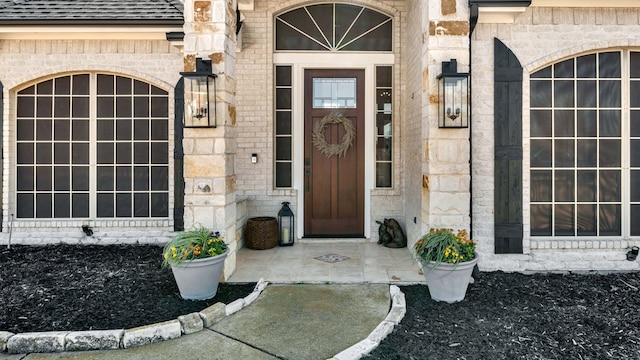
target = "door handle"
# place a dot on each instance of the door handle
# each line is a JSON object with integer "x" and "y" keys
{"x": 307, "y": 178}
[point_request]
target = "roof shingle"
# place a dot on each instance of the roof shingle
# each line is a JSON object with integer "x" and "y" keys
{"x": 83, "y": 11}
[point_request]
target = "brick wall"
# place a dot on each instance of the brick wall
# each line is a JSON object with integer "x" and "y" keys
{"x": 540, "y": 37}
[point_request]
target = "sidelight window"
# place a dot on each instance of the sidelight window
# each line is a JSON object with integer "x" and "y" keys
{"x": 384, "y": 127}
{"x": 283, "y": 127}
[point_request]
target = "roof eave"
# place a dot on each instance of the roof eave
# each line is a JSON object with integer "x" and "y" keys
{"x": 79, "y": 32}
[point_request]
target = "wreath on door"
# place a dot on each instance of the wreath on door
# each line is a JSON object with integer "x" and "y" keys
{"x": 320, "y": 142}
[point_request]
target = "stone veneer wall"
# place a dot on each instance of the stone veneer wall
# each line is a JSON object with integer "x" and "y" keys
{"x": 23, "y": 61}
{"x": 255, "y": 115}
{"x": 539, "y": 37}
{"x": 437, "y": 191}
{"x": 209, "y": 154}
{"x": 445, "y": 163}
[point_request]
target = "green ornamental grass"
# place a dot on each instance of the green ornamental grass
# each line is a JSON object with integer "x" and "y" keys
{"x": 443, "y": 246}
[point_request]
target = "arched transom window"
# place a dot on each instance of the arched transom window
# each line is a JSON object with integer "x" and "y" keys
{"x": 333, "y": 27}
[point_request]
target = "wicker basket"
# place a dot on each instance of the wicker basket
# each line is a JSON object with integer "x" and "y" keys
{"x": 261, "y": 233}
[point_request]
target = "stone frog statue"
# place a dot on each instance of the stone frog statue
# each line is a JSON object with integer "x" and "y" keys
{"x": 390, "y": 234}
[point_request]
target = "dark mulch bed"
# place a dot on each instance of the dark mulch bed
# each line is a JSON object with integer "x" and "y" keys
{"x": 504, "y": 316}
{"x": 516, "y": 316}
{"x": 67, "y": 287}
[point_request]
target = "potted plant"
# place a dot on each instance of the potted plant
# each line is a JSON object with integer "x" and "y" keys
{"x": 447, "y": 260}
{"x": 196, "y": 258}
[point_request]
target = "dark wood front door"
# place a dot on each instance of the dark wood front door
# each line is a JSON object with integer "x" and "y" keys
{"x": 333, "y": 183}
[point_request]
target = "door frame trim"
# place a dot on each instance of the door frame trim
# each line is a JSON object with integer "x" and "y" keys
{"x": 303, "y": 61}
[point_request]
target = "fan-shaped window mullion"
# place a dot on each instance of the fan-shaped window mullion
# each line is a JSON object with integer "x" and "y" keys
{"x": 322, "y": 34}
{"x": 339, "y": 44}
{"x": 290, "y": 38}
{"x": 366, "y": 21}
{"x": 323, "y": 17}
{"x": 345, "y": 15}
{"x": 333, "y": 27}
{"x": 370, "y": 38}
{"x": 301, "y": 21}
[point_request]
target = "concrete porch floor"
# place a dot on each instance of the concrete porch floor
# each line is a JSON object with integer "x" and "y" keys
{"x": 328, "y": 261}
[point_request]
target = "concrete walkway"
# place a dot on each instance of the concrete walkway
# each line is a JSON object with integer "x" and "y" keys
{"x": 295, "y": 321}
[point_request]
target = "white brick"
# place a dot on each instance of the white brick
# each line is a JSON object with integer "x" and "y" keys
{"x": 213, "y": 314}
{"x": 381, "y": 332}
{"x": 396, "y": 315}
{"x": 151, "y": 333}
{"x": 36, "y": 342}
{"x": 4, "y": 337}
{"x": 93, "y": 340}
{"x": 190, "y": 323}
{"x": 357, "y": 351}
{"x": 234, "y": 307}
{"x": 251, "y": 298}
{"x": 261, "y": 285}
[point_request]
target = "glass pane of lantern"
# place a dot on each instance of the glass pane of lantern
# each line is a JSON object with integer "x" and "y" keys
{"x": 196, "y": 102}
{"x": 455, "y": 102}
{"x": 211, "y": 90}
{"x": 285, "y": 229}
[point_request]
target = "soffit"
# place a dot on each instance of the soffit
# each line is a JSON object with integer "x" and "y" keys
{"x": 499, "y": 15}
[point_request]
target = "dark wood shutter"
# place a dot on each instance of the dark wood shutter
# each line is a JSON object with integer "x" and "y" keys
{"x": 508, "y": 150}
{"x": 178, "y": 156}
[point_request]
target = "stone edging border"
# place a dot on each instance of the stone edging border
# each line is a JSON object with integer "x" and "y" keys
{"x": 59, "y": 341}
{"x": 395, "y": 315}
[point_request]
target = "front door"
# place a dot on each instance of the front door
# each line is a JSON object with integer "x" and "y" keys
{"x": 334, "y": 153}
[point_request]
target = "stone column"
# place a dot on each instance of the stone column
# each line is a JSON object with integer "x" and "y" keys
{"x": 209, "y": 153}
{"x": 445, "y": 163}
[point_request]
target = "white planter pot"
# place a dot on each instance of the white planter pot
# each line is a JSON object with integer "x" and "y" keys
{"x": 448, "y": 282}
{"x": 198, "y": 279}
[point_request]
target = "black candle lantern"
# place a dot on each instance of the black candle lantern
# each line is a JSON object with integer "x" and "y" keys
{"x": 285, "y": 219}
{"x": 200, "y": 96}
{"x": 453, "y": 95}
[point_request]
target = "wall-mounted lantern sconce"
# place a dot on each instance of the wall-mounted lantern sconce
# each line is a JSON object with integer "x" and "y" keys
{"x": 200, "y": 96}
{"x": 453, "y": 96}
